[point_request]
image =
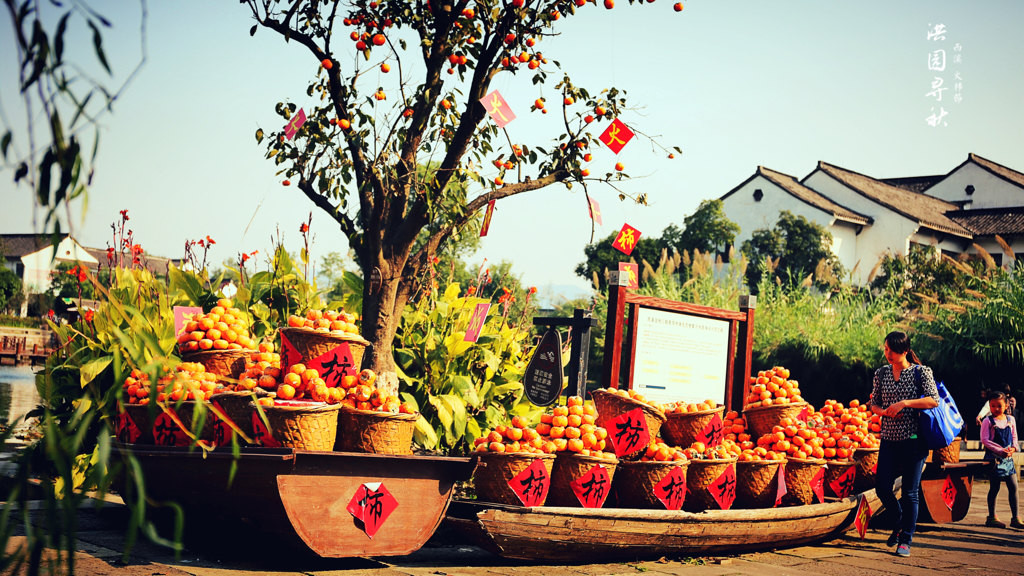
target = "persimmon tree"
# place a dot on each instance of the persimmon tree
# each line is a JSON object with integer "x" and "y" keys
{"x": 399, "y": 88}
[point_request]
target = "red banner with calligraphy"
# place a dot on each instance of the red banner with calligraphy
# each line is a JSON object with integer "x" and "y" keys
{"x": 723, "y": 489}
{"x": 671, "y": 490}
{"x": 497, "y": 108}
{"x": 818, "y": 485}
{"x": 626, "y": 241}
{"x": 629, "y": 432}
{"x": 949, "y": 492}
{"x": 632, "y": 269}
{"x": 532, "y": 484}
{"x": 842, "y": 485}
{"x": 260, "y": 434}
{"x": 712, "y": 434}
{"x": 476, "y": 322}
{"x": 335, "y": 364}
{"x": 169, "y": 431}
{"x": 294, "y": 124}
{"x": 595, "y": 211}
{"x": 371, "y": 505}
{"x": 126, "y": 430}
{"x": 289, "y": 354}
{"x": 616, "y": 136}
{"x": 863, "y": 516}
{"x": 592, "y": 488}
{"x": 488, "y": 214}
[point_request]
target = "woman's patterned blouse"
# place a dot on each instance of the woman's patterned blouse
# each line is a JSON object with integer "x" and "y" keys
{"x": 887, "y": 391}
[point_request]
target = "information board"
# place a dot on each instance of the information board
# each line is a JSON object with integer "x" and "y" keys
{"x": 680, "y": 356}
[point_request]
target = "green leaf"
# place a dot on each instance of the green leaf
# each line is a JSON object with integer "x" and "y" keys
{"x": 5, "y": 143}
{"x": 91, "y": 369}
{"x": 58, "y": 41}
{"x": 458, "y": 412}
{"x": 259, "y": 135}
{"x": 97, "y": 43}
{"x": 424, "y": 434}
{"x": 443, "y": 412}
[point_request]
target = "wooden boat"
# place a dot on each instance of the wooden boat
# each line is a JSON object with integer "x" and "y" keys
{"x": 569, "y": 535}
{"x": 301, "y": 498}
{"x": 946, "y": 490}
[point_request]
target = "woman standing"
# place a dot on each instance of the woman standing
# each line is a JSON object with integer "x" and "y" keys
{"x": 901, "y": 390}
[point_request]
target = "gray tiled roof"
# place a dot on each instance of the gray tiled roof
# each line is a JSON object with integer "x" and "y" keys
{"x": 998, "y": 169}
{"x": 18, "y": 245}
{"x": 991, "y": 221}
{"x": 812, "y": 197}
{"x": 926, "y": 210}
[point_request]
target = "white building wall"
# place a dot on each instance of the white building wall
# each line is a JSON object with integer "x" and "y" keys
{"x": 38, "y": 265}
{"x": 844, "y": 244}
{"x": 990, "y": 191}
{"x": 751, "y": 215}
{"x": 889, "y": 232}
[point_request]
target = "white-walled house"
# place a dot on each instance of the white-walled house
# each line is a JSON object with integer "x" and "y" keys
{"x": 31, "y": 257}
{"x": 869, "y": 217}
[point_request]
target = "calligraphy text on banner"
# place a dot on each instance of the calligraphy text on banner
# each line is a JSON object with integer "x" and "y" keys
{"x": 532, "y": 484}
{"x": 629, "y": 432}
{"x": 127, "y": 431}
{"x": 294, "y": 124}
{"x": 863, "y": 516}
{"x": 616, "y": 135}
{"x": 182, "y": 314}
{"x": 713, "y": 433}
{"x": 723, "y": 489}
{"x": 488, "y": 214}
{"x": 260, "y": 434}
{"x": 476, "y": 322}
{"x": 626, "y": 241}
{"x": 334, "y": 364}
{"x": 289, "y": 354}
{"x": 595, "y": 211}
{"x": 633, "y": 270}
{"x": 168, "y": 430}
{"x": 671, "y": 490}
{"x": 497, "y": 108}
{"x": 591, "y": 489}
{"x": 842, "y": 485}
{"x": 372, "y": 504}
{"x": 949, "y": 492}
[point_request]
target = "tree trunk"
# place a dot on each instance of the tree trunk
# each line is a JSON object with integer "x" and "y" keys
{"x": 384, "y": 298}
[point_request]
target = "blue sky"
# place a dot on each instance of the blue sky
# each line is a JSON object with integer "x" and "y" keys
{"x": 735, "y": 84}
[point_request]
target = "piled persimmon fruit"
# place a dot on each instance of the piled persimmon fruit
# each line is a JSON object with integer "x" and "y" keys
{"x": 188, "y": 381}
{"x": 333, "y": 321}
{"x": 771, "y": 387}
{"x": 224, "y": 327}
{"x": 570, "y": 428}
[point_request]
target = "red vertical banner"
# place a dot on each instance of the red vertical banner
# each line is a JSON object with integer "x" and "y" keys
{"x": 842, "y": 485}
{"x": 532, "y": 484}
{"x": 626, "y": 241}
{"x": 592, "y": 488}
{"x": 260, "y": 434}
{"x": 182, "y": 314}
{"x": 723, "y": 489}
{"x": 671, "y": 490}
{"x": 818, "y": 484}
{"x": 781, "y": 489}
{"x": 949, "y": 492}
{"x": 486, "y": 225}
{"x": 595, "y": 210}
{"x": 497, "y": 108}
{"x": 289, "y": 354}
{"x": 629, "y": 432}
{"x": 863, "y": 516}
{"x": 334, "y": 364}
{"x": 294, "y": 124}
{"x": 126, "y": 430}
{"x": 633, "y": 270}
{"x": 712, "y": 434}
{"x": 616, "y": 135}
{"x": 371, "y": 505}
{"x": 476, "y": 322}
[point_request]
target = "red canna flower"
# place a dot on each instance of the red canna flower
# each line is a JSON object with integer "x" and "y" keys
{"x": 471, "y": 290}
{"x": 82, "y": 274}
{"x": 89, "y": 314}
{"x": 50, "y": 314}
{"x": 303, "y": 228}
{"x": 209, "y": 241}
{"x": 136, "y": 249}
{"x": 124, "y": 215}
{"x": 533, "y": 289}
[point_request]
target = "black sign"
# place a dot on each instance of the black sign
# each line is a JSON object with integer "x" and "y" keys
{"x": 543, "y": 379}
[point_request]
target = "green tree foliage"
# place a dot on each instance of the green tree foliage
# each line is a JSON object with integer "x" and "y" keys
{"x": 71, "y": 281}
{"x": 707, "y": 230}
{"x": 921, "y": 274}
{"x": 602, "y": 257}
{"x": 796, "y": 248}
{"x": 10, "y": 288}
{"x": 358, "y": 156}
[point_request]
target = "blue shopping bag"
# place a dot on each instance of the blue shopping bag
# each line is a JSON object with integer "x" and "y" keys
{"x": 941, "y": 424}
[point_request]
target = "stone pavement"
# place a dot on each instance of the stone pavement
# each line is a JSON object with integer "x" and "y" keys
{"x": 962, "y": 548}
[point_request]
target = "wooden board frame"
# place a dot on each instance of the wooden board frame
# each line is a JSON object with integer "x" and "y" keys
{"x": 741, "y": 336}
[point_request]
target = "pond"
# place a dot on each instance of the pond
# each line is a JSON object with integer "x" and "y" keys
{"x": 17, "y": 392}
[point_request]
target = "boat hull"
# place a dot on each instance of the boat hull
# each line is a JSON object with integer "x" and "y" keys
{"x": 301, "y": 498}
{"x": 575, "y": 534}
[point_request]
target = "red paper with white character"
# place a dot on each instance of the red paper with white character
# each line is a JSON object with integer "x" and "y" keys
{"x": 532, "y": 484}
{"x": 723, "y": 489}
{"x": 629, "y": 432}
{"x": 671, "y": 490}
{"x": 592, "y": 488}
{"x": 371, "y": 505}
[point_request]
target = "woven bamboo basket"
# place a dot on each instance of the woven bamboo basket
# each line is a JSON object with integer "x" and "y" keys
{"x": 186, "y": 411}
{"x": 568, "y": 468}
{"x": 496, "y": 469}
{"x": 757, "y": 483}
{"x": 375, "y": 432}
{"x": 799, "y": 472}
{"x": 226, "y": 363}
{"x": 311, "y": 344}
{"x": 867, "y": 461}
{"x": 700, "y": 475}
{"x": 610, "y": 406}
{"x": 238, "y": 407}
{"x": 948, "y": 455}
{"x": 761, "y": 419}
{"x": 635, "y": 481}
{"x": 682, "y": 428}
{"x": 139, "y": 415}
{"x": 296, "y": 425}
{"x": 833, "y": 470}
